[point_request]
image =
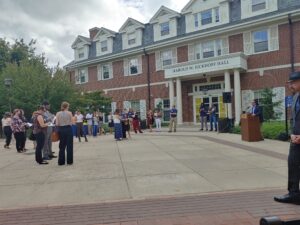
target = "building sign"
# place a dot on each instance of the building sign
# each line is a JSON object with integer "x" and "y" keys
{"x": 184, "y": 69}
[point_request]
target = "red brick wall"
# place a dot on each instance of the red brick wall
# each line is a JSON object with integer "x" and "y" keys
{"x": 182, "y": 54}
{"x": 93, "y": 32}
{"x": 236, "y": 43}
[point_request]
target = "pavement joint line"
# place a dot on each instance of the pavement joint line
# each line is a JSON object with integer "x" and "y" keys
{"x": 124, "y": 171}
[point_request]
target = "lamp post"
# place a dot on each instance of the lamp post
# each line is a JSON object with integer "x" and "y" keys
{"x": 8, "y": 83}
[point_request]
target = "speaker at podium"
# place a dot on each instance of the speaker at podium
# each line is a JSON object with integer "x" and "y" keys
{"x": 226, "y": 97}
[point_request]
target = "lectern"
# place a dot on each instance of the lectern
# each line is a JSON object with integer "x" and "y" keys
{"x": 250, "y": 128}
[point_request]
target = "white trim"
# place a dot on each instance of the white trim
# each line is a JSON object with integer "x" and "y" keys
{"x": 221, "y": 31}
{"x": 272, "y": 68}
{"x": 135, "y": 86}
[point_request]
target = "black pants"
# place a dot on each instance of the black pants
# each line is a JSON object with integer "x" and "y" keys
{"x": 65, "y": 140}
{"x": 80, "y": 132}
{"x": 40, "y": 141}
{"x": 20, "y": 140}
{"x": 294, "y": 168}
{"x": 8, "y": 134}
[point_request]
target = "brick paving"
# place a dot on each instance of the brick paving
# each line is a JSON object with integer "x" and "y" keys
{"x": 234, "y": 208}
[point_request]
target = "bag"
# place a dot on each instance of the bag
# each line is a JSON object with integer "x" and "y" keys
{"x": 54, "y": 136}
{"x": 31, "y": 136}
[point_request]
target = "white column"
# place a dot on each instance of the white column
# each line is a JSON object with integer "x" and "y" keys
{"x": 237, "y": 96}
{"x": 171, "y": 93}
{"x": 228, "y": 89}
{"x": 179, "y": 101}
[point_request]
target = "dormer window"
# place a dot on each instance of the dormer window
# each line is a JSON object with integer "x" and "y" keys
{"x": 81, "y": 53}
{"x": 258, "y": 5}
{"x": 131, "y": 39}
{"x": 207, "y": 17}
{"x": 103, "y": 46}
{"x": 164, "y": 28}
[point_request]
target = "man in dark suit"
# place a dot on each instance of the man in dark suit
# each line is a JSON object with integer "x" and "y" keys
{"x": 293, "y": 195}
{"x": 256, "y": 110}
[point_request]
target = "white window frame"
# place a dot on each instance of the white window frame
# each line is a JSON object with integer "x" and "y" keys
{"x": 268, "y": 40}
{"x": 131, "y": 38}
{"x": 210, "y": 18}
{"x": 215, "y": 17}
{"x": 81, "y": 73}
{"x": 255, "y": 3}
{"x": 164, "y": 29}
{"x": 217, "y": 49}
{"x": 101, "y": 71}
{"x": 164, "y": 60}
{"x": 104, "y": 46}
{"x": 130, "y": 61}
{"x": 81, "y": 54}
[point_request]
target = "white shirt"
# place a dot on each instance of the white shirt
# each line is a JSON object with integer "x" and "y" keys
{"x": 89, "y": 118}
{"x": 79, "y": 118}
{"x": 116, "y": 119}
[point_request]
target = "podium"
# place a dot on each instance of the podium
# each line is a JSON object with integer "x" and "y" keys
{"x": 250, "y": 128}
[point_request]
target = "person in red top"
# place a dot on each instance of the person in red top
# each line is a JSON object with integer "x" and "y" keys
{"x": 18, "y": 129}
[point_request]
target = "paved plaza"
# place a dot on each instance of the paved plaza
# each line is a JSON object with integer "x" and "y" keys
{"x": 188, "y": 177}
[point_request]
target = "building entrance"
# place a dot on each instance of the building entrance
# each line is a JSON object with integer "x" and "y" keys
{"x": 208, "y": 100}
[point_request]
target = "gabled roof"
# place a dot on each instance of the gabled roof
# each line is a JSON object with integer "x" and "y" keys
{"x": 163, "y": 11}
{"x": 131, "y": 22}
{"x": 80, "y": 38}
{"x": 105, "y": 31}
{"x": 187, "y": 6}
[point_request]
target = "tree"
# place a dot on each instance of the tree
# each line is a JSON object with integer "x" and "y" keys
{"x": 33, "y": 81}
{"x": 268, "y": 105}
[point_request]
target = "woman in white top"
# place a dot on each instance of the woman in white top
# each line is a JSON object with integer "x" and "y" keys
{"x": 117, "y": 125}
{"x": 64, "y": 123}
{"x": 6, "y": 123}
{"x": 79, "y": 125}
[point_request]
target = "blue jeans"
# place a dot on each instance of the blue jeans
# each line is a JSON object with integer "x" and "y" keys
{"x": 213, "y": 119}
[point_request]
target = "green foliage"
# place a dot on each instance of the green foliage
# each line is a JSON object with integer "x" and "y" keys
{"x": 268, "y": 105}
{"x": 33, "y": 81}
{"x": 270, "y": 130}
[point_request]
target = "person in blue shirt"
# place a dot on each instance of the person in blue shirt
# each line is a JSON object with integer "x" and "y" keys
{"x": 173, "y": 119}
{"x": 203, "y": 116}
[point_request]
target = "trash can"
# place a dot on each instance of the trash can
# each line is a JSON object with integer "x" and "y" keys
{"x": 223, "y": 125}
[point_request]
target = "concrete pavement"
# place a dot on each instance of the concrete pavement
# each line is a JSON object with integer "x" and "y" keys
{"x": 150, "y": 166}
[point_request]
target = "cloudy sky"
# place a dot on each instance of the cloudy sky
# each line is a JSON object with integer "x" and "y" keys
{"x": 56, "y": 23}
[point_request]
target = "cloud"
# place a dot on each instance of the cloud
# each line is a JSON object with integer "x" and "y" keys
{"x": 56, "y": 23}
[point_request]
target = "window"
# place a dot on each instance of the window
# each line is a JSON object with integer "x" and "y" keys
{"x": 135, "y": 105}
{"x": 217, "y": 15}
{"x": 208, "y": 49}
{"x": 258, "y": 5}
{"x": 260, "y": 40}
{"x": 166, "y": 109}
{"x": 81, "y": 76}
{"x": 164, "y": 29}
{"x": 103, "y": 46}
{"x": 166, "y": 57}
{"x": 133, "y": 66}
{"x": 81, "y": 53}
{"x": 131, "y": 38}
{"x": 206, "y": 17}
{"x": 196, "y": 20}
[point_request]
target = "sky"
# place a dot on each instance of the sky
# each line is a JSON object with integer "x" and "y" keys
{"x": 55, "y": 24}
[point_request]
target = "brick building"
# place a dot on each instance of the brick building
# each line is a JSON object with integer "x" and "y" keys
{"x": 210, "y": 47}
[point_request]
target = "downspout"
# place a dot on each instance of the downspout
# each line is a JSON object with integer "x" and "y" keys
{"x": 148, "y": 79}
{"x": 292, "y": 44}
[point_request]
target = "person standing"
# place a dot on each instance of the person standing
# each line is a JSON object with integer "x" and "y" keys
{"x": 18, "y": 129}
{"x": 49, "y": 118}
{"x": 64, "y": 124}
{"x": 79, "y": 126}
{"x": 89, "y": 118}
{"x": 150, "y": 119}
{"x": 6, "y": 123}
{"x": 213, "y": 117}
{"x": 39, "y": 127}
{"x": 157, "y": 116}
{"x": 118, "y": 125}
{"x": 110, "y": 122}
{"x": 256, "y": 110}
{"x": 173, "y": 119}
{"x": 293, "y": 195}
{"x": 203, "y": 116}
{"x": 136, "y": 123}
{"x": 95, "y": 124}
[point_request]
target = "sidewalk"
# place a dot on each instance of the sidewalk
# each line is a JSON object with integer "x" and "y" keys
{"x": 150, "y": 169}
